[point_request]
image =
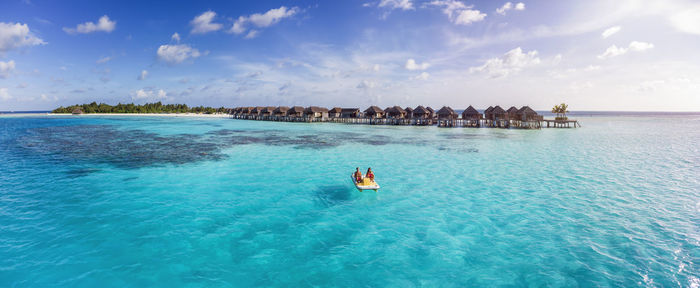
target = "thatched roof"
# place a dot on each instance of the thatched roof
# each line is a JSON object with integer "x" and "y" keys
{"x": 374, "y": 110}
{"x": 526, "y": 110}
{"x": 408, "y": 110}
{"x": 420, "y": 110}
{"x": 257, "y": 110}
{"x": 430, "y": 109}
{"x": 281, "y": 110}
{"x": 470, "y": 111}
{"x": 488, "y": 110}
{"x": 315, "y": 109}
{"x": 268, "y": 109}
{"x": 77, "y": 111}
{"x": 512, "y": 110}
{"x": 295, "y": 110}
{"x": 350, "y": 110}
{"x": 395, "y": 110}
{"x": 336, "y": 110}
{"x": 446, "y": 111}
{"x": 498, "y": 110}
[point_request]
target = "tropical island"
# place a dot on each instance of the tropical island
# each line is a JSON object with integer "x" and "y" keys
{"x": 493, "y": 117}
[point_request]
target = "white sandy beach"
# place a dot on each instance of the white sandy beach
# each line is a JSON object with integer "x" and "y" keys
{"x": 194, "y": 115}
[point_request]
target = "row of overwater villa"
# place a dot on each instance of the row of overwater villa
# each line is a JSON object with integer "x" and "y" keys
{"x": 495, "y": 117}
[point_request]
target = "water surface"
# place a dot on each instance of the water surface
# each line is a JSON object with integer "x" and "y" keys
{"x": 159, "y": 201}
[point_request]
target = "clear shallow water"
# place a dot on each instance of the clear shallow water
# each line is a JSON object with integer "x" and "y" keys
{"x": 152, "y": 201}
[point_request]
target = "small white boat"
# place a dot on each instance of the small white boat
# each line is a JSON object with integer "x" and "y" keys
{"x": 360, "y": 187}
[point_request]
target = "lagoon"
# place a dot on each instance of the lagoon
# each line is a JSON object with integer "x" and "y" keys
{"x": 166, "y": 201}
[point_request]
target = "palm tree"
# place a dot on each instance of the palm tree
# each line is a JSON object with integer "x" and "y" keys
{"x": 561, "y": 111}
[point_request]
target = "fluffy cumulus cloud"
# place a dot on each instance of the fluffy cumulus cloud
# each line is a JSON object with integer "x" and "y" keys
{"x": 269, "y": 18}
{"x": 103, "y": 25}
{"x": 204, "y": 23}
{"x": 149, "y": 95}
{"x": 175, "y": 54}
{"x": 458, "y": 12}
{"x": 6, "y": 68}
{"x": 396, "y": 4}
{"x": 143, "y": 75}
{"x": 175, "y": 37}
{"x": 634, "y": 46}
{"x": 512, "y": 62}
{"x": 412, "y": 65}
{"x": 16, "y": 35}
{"x": 510, "y": 6}
{"x": 4, "y": 94}
{"x": 610, "y": 31}
{"x": 422, "y": 76}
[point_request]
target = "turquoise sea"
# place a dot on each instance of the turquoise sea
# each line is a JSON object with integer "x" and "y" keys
{"x": 104, "y": 201}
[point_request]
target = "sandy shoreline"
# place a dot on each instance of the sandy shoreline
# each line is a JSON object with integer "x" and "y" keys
{"x": 194, "y": 115}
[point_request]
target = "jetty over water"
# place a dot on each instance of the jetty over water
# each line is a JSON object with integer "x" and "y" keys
{"x": 493, "y": 117}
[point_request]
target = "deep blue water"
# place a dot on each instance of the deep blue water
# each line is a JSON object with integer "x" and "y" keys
{"x": 159, "y": 201}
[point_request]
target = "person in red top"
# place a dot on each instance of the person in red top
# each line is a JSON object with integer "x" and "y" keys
{"x": 369, "y": 174}
{"x": 358, "y": 175}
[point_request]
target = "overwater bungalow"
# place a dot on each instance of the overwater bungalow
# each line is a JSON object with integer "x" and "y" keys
{"x": 527, "y": 118}
{"x": 280, "y": 111}
{"x": 487, "y": 113}
{"x": 471, "y": 117}
{"x": 267, "y": 111}
{"x": 422, "y": 116}
{"x": 409, "y": 112}
{"x": 350, "y": 113}
{"x": 447, "y": 117}
{"x": 374, "y": 112}
{"x": 256, "y": 111}
{"x": 296, "y": 111}
{"x": 315, "y": 112}
{"x": 499, "y": 117}
{"x": 335, "y": 112}
{"x": 512, "y": 112}
{"x": 395, "y": 112}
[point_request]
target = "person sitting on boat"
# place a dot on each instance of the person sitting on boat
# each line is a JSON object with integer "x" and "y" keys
{"x": 357, "y": 175}
{"x": 369, "y": 174}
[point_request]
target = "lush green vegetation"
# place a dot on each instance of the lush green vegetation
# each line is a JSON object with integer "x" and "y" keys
{"x": 561, "y": 111}
{"x": 145, "y": 108}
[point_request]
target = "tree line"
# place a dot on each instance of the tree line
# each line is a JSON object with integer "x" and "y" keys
{"x": 157, "y": 107}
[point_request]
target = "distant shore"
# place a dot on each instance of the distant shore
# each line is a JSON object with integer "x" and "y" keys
{"x": 196, "y": 115}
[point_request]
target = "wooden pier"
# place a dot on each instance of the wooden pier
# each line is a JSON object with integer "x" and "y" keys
{"x": 562, "y": 123}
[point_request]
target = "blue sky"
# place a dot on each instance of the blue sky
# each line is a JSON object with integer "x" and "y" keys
{"x": 594, "y": 55}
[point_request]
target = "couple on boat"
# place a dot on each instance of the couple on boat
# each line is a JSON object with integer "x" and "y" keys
{"x": 367, "y": 180}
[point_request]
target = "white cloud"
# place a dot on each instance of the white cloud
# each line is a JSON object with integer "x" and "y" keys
{"x": 175, "y": 37}
{"x": 610, "y": 31}
{"x": 16, "y": 35}
{"x": 459, "y": 13}
{"x": 640, "y": 46}
{"x": 412, "y": 65}
{"x": 251, "y": 34}
{"x": 143, "y": 75}
{"x": 4, "y": 94}
{"x": 6, "y": 68}
{"x": 103, "y": 60}
{"x": 422, "y": 76}
{"x": 175, "y": 54}
{"x": 103, "y": 25}
{"x": 396, "y": 4}
{"x": 687, "y": 21}
{"x": 149, "y": 94}
{"x": 512, "y": 62}
{"x": 203, "y": 23}
{"x": 376, "y": 67}
{"x": 635, "y": 46}
{"x": 271, "y": 17}
{"x": 508, "y": 6}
